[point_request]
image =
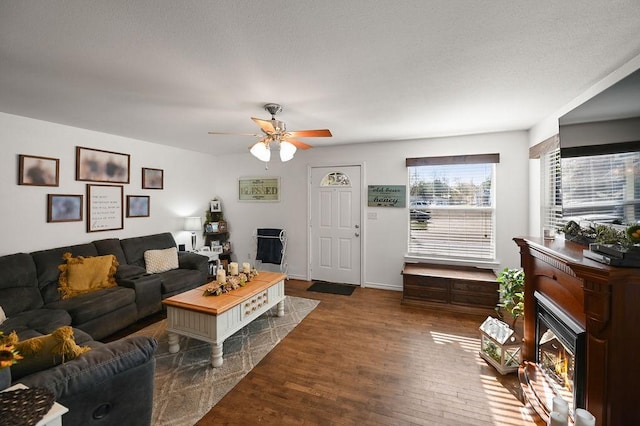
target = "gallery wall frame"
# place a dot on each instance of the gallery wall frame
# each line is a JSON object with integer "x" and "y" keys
{"x": 104, "y": 207}
{"x": 96, "y": 165}
{"x": 38, "y": 171}
{"x": 138, "y": 205}
{"x": 152, "y": 178}
{"x": 64, "y": 208}
{"x": 259, "y": 189}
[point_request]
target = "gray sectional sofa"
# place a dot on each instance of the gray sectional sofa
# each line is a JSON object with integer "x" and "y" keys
{"x": 113, "y": 383}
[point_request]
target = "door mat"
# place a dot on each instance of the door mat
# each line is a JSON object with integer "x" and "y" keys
{"x": 333, "y": 288}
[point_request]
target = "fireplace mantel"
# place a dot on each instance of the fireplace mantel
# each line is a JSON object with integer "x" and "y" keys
{"x": 605, "y": 300}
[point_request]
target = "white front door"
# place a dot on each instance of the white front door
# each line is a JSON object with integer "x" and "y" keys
{"x": 334, "y": 224}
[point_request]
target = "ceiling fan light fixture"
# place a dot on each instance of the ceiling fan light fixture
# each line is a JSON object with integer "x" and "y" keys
{"x": 287, "y": 149}
{"x": 261, "y": 151}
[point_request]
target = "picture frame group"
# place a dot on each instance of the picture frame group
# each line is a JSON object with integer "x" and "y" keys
{"x": 105, "y": 208}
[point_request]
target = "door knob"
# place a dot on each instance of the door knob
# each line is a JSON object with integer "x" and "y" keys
{"x": 357, "y": 226}
{"x": 357, "y": 234}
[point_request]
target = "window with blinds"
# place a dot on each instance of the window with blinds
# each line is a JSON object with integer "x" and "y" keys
{"x": 602, "y": 188}
{"x": 551, "y": 215}
{"x": 452, "y": 207}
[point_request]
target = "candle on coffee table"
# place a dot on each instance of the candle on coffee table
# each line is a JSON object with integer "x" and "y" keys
{"x": 246, "y": 267}
{"x": 221, "y": 276}
{"x": 233, "y": 268}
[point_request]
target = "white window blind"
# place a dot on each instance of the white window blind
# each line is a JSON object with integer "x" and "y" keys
{"x": 551, "y": 189}
{"x": 456, "y": 197}
{"x": 603, "y": 188}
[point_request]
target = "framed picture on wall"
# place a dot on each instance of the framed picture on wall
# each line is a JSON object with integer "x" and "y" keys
{"x": 38, "y": 171}
{"x": 215, "y": 206}
{"x": 96, "y": 165}
{"x": 64, "y": 208}
{"x": 152, "y": 178}
{"x": 138, "y": 205}
{"x": 104, "y": 208}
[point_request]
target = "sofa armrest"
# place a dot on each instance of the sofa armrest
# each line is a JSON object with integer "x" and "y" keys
{"x": 111, "y": 384}
{"x": 188, "y": 260}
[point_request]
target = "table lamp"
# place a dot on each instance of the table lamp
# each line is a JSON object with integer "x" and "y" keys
{"x": 192, "y": 224}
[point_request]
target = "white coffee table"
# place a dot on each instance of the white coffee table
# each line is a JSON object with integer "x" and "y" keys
{"x": 214, "y": 318}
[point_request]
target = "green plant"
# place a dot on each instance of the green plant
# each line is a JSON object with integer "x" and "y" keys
{"x": 511, "y": 292}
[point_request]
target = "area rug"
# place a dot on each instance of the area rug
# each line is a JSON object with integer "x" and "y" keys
{"x": 186, "y": 386}
{"x": 333, "y": 288}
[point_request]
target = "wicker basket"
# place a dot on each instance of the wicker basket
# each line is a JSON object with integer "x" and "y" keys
{"x": 22, "y": 407}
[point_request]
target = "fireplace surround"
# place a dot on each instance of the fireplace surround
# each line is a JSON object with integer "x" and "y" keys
{"x": 605, "y": 302}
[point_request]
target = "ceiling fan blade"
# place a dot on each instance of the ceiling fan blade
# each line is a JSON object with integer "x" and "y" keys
{"x": 265, "y": 125}
{"x": 319, "y": 133}
{"x": 234, "y": 133}
{"x": 298, "y": 144}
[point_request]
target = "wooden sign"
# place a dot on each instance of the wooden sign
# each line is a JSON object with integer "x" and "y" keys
{"x": 259, "y": 189}
{"x": 387, "y": 196}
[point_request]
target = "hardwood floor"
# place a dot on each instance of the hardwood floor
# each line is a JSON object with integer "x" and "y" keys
{"x": 365, "y": 359}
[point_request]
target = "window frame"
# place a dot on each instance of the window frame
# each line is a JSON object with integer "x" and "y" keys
{"x": 491, "y": 257}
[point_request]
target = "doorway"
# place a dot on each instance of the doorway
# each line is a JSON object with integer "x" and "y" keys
{"x": 334, "y": 224}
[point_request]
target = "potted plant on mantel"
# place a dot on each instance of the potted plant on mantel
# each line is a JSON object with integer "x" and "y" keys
{"x": 500, "y": 343}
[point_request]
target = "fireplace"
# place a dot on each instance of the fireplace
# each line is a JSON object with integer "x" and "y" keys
{"x": 593, "y": 312}
{"x": 560, "y": 354}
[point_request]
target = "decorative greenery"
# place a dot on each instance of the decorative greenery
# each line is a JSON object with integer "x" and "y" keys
{"x": 602, "y": 234}
{"x": 511, "y": 293}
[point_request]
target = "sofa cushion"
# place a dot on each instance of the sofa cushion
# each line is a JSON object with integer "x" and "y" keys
{"x": 129, "y": 271}
{"x": 157, "y": 261}
{"x": 179, "y": 280}
{"x": 111, "y": 246}
{"x": 47, "y": 262}
{"x": 81, "y": 275}
{"x": 89, "y": 306}
{"x": 18, "y": 284}
{"x": 35, "y": 322}
{"x": 40, "y": 353}
{"x": 135, "y": 247}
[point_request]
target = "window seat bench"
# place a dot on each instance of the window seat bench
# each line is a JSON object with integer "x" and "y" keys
{"x": 461, "y": 289}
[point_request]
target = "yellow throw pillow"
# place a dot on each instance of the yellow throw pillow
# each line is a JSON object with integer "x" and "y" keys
{"x": 158, "y": 261}
{"x": 81, "y": 275}
{"x": 40, "y": 353}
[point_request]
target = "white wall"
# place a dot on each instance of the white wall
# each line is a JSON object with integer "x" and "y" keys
{"x": 386, "y": 237}
{"x": 23, "y": 221}
{"x": 186, "y": 193}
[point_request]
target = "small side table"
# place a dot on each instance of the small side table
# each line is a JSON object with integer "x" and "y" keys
{"x": 53, "y": 417}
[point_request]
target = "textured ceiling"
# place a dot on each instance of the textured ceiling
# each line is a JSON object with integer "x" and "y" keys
{"x": 169, "y": 71}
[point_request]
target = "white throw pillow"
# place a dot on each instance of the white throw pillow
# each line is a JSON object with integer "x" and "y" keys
{"x": 161, "y": 260}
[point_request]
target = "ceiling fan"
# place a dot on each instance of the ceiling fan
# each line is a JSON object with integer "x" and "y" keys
{"x": 275, "y": 132}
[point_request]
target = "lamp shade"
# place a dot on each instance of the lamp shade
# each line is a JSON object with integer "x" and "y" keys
{"x": 287, "y": 149}
{"x": 261, "y": 151}
{"x": 192, "y": 223}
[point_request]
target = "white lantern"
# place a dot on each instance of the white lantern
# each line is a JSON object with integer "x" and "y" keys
{"x": 500, "y": 346}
